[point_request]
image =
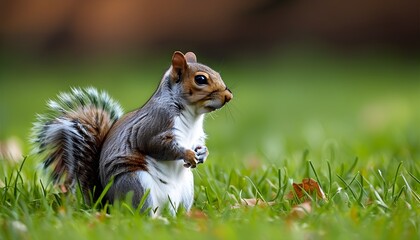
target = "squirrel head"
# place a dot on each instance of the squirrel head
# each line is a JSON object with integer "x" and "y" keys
{"x": 200, "y": 86}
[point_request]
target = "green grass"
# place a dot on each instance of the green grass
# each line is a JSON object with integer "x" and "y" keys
{"x": 351, "y": 123}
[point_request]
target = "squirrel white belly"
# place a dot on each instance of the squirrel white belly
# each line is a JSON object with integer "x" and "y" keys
{"x": 88, "y": 141}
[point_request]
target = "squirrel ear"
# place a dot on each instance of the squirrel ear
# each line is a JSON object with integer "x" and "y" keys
{"x": 191, "y": 58}
{"x": 179, "y": 63}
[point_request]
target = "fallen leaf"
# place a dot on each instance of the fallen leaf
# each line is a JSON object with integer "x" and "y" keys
{"x": 197, "y": 214}
{"x": 98, "y": 217}
{"x": 19, "y": 226}
{"x": 300, "y": 211}
{"x": 101, "y": 216}
{"x": 11, "y": 150}
{"x": 62, "y": 210}
{"x": 252, "y": 202}
{"x": 309, "y": 186}
{"x": 63, "y": 188}
{"x": 200, "y": 218}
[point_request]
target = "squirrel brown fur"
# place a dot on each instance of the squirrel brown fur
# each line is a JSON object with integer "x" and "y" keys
{"x": 88, "y": 141}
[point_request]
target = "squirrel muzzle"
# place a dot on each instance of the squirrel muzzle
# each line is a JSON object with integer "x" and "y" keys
{"x": 218, "y": 100}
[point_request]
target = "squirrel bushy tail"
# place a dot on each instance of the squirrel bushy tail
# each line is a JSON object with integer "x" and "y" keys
{"x": 69, "y": 137}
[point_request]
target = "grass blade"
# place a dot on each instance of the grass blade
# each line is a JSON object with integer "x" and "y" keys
{"x": 280, "y": 185}
{"x": 360, "y": 198}
{"x": 356, "y": 160}
{"x": 316, "y": 175}
{"x": 384, "y": 184}
{"x": 414, "y": 177}
{"x": 410, "y": 190}
{"x": 349, "y": 187}
{"x": 101, "y": 197}
{"x": 329, "y": 179}
{"x": 395, "y": 179}
{"x": 399, "y": 195}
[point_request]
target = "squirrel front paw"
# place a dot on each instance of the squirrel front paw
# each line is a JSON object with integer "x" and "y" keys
{"x": 190, "y": 159}
{"x": 201, "y": 153}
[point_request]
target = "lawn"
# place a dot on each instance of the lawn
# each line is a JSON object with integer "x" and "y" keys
{"x": 351, "y": 123}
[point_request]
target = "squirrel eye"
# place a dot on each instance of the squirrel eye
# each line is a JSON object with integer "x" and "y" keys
{"x": 200, "y": 80}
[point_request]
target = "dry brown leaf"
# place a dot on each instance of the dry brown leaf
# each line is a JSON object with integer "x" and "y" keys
{"x": 300, "y": 211}
{"x": 19, "y": 226}
{"x": 309, "y": 186}
{"x": 252, "y": 202}
{"x": 63, "y": 188}
{"x": 197, "y": 214}
{"x": 62, "y": 210}
{"x": 11, "y": 150}
{"x": 200, "y": 218}
{"x": 300, "y": 191}
{"x": 98, "y": 217}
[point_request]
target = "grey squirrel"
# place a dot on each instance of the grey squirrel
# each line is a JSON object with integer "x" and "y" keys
{"x": 88, "y": 141}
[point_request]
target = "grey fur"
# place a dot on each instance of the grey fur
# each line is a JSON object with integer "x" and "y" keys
{"x": 145, "y": 131}
{"x": 86, "y": 139}
{"x": 72, "y": 147}
{"x": 128, "y": 183}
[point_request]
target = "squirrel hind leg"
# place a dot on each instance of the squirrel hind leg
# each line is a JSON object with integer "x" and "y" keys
{"x": 129, "y": 185}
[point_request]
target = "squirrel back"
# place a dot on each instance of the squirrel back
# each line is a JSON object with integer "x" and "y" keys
{"x": 70, "y": 135}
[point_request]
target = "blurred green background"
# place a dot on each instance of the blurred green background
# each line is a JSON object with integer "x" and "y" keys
{"x": 304, "y": 75}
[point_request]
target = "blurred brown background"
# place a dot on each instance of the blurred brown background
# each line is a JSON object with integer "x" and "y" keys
{"x": 121, "y": 26}
{"x": 365, "y": 53}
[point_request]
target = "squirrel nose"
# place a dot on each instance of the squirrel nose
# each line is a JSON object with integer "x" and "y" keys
{"x": 228, "y": 95}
